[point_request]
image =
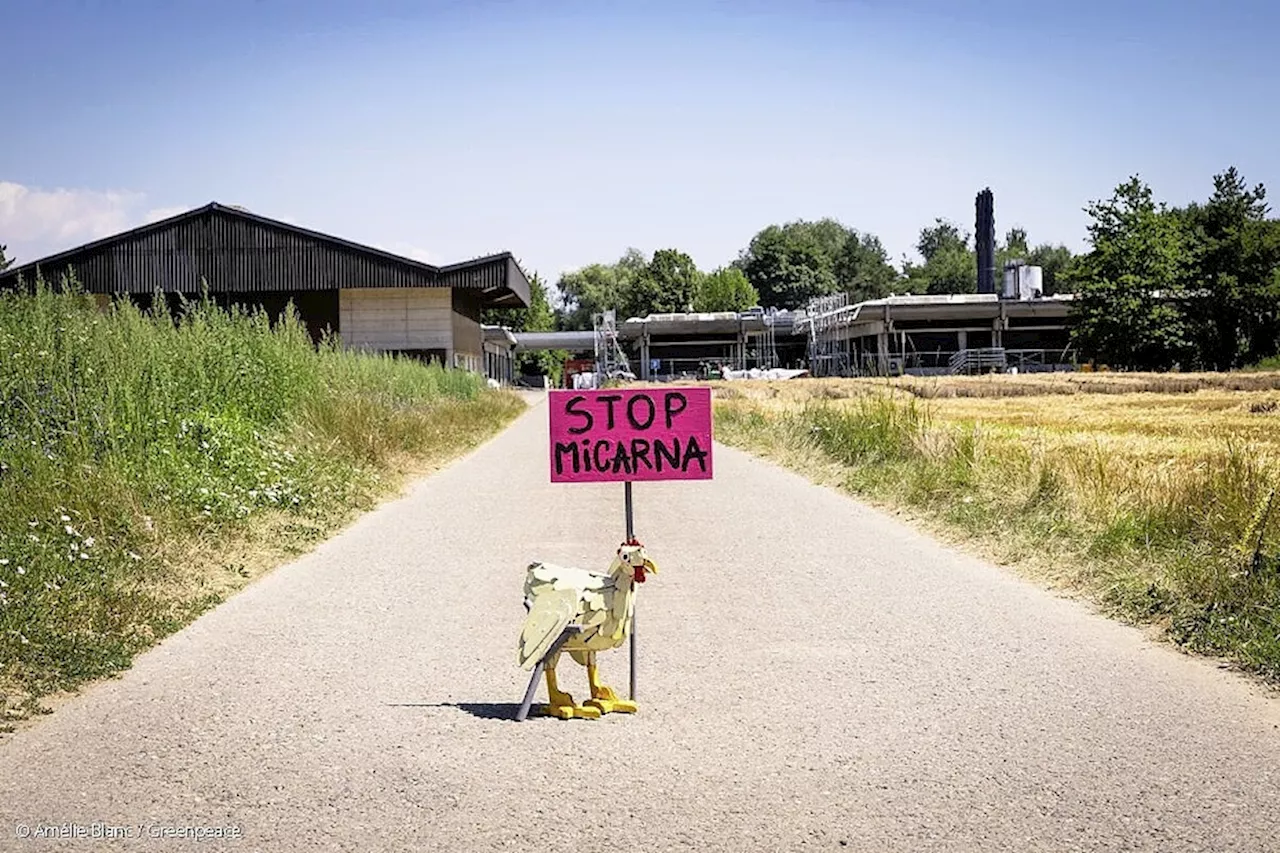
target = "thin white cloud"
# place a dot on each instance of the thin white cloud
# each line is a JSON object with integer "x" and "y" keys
{"x": 37, "y": 222}
{"x": 158, "y": 213}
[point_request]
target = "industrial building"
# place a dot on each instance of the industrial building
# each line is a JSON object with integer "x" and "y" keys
{"x": 907, "y": 334}
{"x": 950, "y": 333}
{"x": 374, "y": 300}
{"x": 1017, "y": 328}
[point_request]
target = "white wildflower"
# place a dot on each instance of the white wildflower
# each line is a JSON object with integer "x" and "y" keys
{"x": 3, "y": 562}
{"x": 84, "y": 555}
{"x": 66, "y": 518}
{"x": 21, "y": 570}
{"x": 135, "y": 555}
{"x": 71, "y": 531}
{"x": 88, "y": 541}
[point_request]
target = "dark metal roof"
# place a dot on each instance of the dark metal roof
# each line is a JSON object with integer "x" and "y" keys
{"x": 235, "y": 251}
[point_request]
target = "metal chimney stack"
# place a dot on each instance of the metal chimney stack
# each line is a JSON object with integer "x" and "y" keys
{"x": 985, "y": 229}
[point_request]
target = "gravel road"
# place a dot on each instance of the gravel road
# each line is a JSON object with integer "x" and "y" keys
{"x": 813, "y": 674}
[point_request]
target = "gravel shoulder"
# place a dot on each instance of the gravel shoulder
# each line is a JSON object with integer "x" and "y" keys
{"x": 813, "y": 674}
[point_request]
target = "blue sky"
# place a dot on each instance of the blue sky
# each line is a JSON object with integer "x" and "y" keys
{"x": 566, "y": 132}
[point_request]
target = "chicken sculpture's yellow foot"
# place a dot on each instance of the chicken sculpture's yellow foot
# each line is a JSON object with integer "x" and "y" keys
{"x": 561, "y": 704}
{"x": 603, "y": 697}
{"x": 597, "y": 608}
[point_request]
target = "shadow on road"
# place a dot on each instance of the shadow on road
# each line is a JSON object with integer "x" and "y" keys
{"x": 483, "y": 710}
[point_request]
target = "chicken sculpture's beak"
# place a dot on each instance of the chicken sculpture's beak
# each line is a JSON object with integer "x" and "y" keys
{"x": 647, "y": 566}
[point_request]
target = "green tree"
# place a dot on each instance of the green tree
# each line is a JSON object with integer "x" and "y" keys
{"x": 1130, "y": 286}
{"x": 1263, "y": 330}
{"x": 725, "y": 289}
{"x": 588, "y": 291}
{"x": 943, "y": 235}
{"x": 667, "y": 284}
{"x": 792, "y": 263}
{"x": 1235, "y": 255}
{"x": 630, "y": 268}
{"x": 950, "y": 265}
{"x": 5, "y": 260}
{"x": 787, "y": 265}
{"x": 622, "y": 286}
{"x": 1015, "y": 243}
{"x": 863, "y": 268}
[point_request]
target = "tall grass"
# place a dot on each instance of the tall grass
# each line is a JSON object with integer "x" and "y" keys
{"x": 135, "y": 447}
{"x": 1190, "y": 544}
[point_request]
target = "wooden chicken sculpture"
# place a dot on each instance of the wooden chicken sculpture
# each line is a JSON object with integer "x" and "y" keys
{"x": 599, "y": 606}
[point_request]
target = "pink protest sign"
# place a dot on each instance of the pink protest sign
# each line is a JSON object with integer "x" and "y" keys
{"x": 636, "y": 434}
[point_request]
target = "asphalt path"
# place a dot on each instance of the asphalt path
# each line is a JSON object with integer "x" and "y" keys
{"x": 813, "y": 674}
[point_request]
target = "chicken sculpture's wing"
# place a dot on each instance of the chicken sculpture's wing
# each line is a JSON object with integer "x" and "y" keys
{"x": 551, "y": 611}
{"x": 541, "y": 575}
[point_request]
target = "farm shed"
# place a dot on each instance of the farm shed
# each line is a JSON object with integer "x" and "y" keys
{"x": 373, "y": 299}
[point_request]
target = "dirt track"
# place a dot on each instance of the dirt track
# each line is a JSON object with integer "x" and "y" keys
{"x": 812, "y": 674}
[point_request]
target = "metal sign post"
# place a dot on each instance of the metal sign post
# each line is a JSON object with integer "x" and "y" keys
{"x": 631, "y": 534}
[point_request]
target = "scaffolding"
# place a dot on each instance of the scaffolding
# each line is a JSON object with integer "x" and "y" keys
{"x": 828, "y": 351}
{"x": 768, "y": 353}
{"x": 611, "y": 361}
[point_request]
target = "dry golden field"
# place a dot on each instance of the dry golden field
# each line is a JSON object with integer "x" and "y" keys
{"x": 1145, "y": 415}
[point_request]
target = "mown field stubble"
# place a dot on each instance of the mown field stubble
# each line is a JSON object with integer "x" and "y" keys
{"x": 1151, "y": 494}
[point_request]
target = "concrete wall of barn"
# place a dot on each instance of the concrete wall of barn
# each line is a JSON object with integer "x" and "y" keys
{"x": 468, "y": 339}
{"x": 398, "y": 319}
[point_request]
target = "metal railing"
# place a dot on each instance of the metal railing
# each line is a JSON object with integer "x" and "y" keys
{"x": 978, "y": 360}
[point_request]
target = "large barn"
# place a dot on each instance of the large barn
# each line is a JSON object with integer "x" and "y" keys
{"x": 373, "y": 299}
